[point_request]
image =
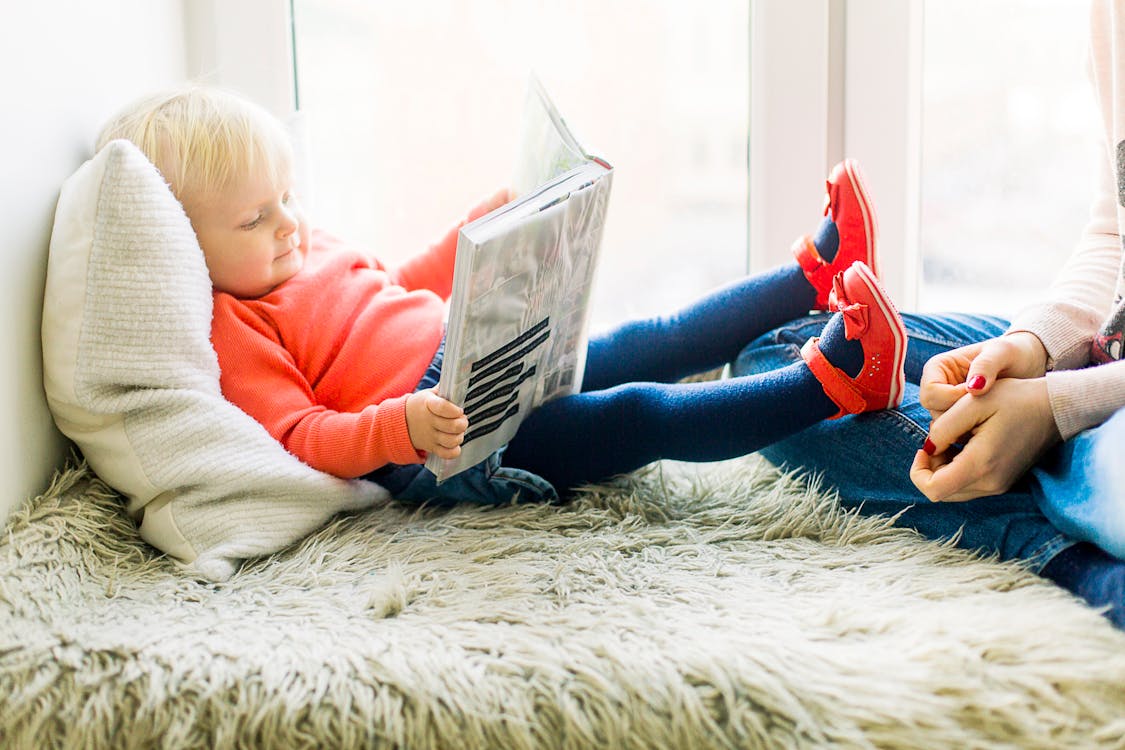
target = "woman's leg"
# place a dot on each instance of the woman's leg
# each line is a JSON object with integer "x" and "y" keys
{"x": 1080, "y": 486}
{"x": 867, "y": 457}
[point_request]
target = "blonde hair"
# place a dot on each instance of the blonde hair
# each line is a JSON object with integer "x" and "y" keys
{"x": 204, "y": 140}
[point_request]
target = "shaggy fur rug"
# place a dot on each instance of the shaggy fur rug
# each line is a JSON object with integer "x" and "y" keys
{"x": 721, "y": 606}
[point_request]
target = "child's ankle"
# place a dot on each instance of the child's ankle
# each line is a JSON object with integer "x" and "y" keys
{"x": 845, "y": 354}
{"x": 827, "y": 239}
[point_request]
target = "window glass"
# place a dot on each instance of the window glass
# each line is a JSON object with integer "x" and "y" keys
{"x": 1009, "y": 138}
{"x": 413, "y": 115}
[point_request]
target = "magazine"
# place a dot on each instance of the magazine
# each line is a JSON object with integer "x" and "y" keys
{"x": 519, "y": 311}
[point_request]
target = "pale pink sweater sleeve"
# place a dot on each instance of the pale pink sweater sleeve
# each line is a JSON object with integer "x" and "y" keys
{"x": 1075, "y": 305}
{"x": 1068, "y": 317}
{"x": 1081, "y": 297}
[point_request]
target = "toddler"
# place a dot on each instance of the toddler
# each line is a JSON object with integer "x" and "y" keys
{"x": 337, "y": 354}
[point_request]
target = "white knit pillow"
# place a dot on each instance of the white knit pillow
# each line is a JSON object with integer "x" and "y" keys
{"x": 132, "y": 378}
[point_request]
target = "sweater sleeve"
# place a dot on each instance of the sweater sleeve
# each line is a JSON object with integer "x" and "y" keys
{"x": 1081, "y": 399}
{"x": 1079, "y": 300}
{"x": 433, "y": 268}
{"x": 260, "y": 377}
{"x": 1081, "y": 297}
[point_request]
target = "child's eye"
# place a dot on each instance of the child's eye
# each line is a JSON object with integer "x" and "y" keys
{"x": 286, "y": 198}
{"x": 252, "y": 224}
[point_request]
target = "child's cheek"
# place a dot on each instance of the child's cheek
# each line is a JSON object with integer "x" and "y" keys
{"x": 303, "y": 231}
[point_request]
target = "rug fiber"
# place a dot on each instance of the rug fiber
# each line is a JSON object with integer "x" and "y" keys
{"x": 721, "y": 606}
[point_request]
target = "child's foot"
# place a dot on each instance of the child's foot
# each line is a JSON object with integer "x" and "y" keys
{"x": 869, "y": 318}
{"x": 847, "y": 234}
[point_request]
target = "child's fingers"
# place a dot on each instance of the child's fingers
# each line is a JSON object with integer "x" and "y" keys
{"x": 440, "y": 407}
{"x": 456, "y": 426}
{"x": 443, "y": 444}
{"x": 443, "y": 452}
{"x": 448, "y": 441}
{"x": 449, "y": 436}
{"x": 500, "y": 197}
{"x": 491, "y": 203}
{"x": 448, "y": 453}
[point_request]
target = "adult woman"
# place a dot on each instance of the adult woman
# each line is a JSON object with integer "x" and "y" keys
{"x": 1011, "y": 429}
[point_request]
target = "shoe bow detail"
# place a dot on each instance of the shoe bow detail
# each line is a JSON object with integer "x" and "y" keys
{"x": 855, "y": 320}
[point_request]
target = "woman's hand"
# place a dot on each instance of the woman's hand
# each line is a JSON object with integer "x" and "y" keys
{"x": 975, "y": 368}
{"x": 1008, "y": 428}
{"x": 435, "y": 425}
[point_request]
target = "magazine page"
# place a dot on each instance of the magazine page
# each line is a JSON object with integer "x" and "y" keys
{"x": 517, "y": 331}
{"x": 516, "y": 334}
{"x": 547, "y": 147}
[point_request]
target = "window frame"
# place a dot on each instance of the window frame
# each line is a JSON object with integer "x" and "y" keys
{"x": 852, "y": 86}
{"x": 245, "y": 46}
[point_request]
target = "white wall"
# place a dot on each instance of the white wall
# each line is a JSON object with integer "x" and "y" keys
{"x": 65, "y": 67}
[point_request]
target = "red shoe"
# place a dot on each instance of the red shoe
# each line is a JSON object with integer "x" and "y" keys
{"x": 848, "y": 206}
{"x": 871, "y": 317}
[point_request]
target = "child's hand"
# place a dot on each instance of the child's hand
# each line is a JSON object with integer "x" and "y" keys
{"x": 436, "y": 426}
{"x": 491, "y": 203}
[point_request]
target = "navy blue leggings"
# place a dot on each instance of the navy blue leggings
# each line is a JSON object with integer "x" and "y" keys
{"x": 632, "y": 410}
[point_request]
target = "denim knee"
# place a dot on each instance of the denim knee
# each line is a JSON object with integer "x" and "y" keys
{"x": 1080, "y": 485}
{"x": 780, "y": 347}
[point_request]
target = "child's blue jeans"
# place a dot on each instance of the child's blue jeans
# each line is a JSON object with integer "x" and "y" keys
{"x": 1075, "y": 492}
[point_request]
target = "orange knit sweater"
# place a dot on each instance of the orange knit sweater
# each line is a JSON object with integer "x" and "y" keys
{"x": 326, "y": 360}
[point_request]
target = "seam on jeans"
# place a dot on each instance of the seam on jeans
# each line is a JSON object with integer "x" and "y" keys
{"x": 940, "y": 340}
{"x": 907, "y": 425}
{"x": 1048, "y": 551}
{"x": 795, "y": 326}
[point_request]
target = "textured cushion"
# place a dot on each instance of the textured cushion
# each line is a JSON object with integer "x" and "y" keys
{"x": 132, "y": 378}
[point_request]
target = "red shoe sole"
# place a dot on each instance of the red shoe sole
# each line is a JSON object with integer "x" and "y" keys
{"x": 890, "y": 312}
{"x": 870, "y": 223}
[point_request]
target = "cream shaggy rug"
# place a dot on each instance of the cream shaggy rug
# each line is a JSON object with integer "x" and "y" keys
{"x": 722, "y": 606}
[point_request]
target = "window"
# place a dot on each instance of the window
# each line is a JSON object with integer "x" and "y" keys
{"x": 1009, "y": 131}
{"x": 973, "y": 122}
{"x": 414, "y": 115}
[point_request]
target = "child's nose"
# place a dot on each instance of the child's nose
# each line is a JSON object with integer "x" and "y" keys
{"x": 288, "y": 224}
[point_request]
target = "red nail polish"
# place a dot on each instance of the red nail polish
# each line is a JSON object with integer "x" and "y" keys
{"x": 929, "y": 448}
{"x": 975, "y": 383}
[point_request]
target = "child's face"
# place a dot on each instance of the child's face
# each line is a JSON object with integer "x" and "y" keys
{"x": 253, "y": 235}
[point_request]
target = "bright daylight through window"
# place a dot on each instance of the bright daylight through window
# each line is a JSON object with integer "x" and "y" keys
{"x": 414, "y": 113}
{"x": 1008, "y": 146}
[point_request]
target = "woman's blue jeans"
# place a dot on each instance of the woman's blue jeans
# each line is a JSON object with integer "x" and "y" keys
{"x": 1070, "y": 495}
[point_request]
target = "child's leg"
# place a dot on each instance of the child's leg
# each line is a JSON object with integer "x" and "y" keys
{"x": 712, "y": 331}
{"x": 595, "y": 434}
{"x": 700, "y": 337}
